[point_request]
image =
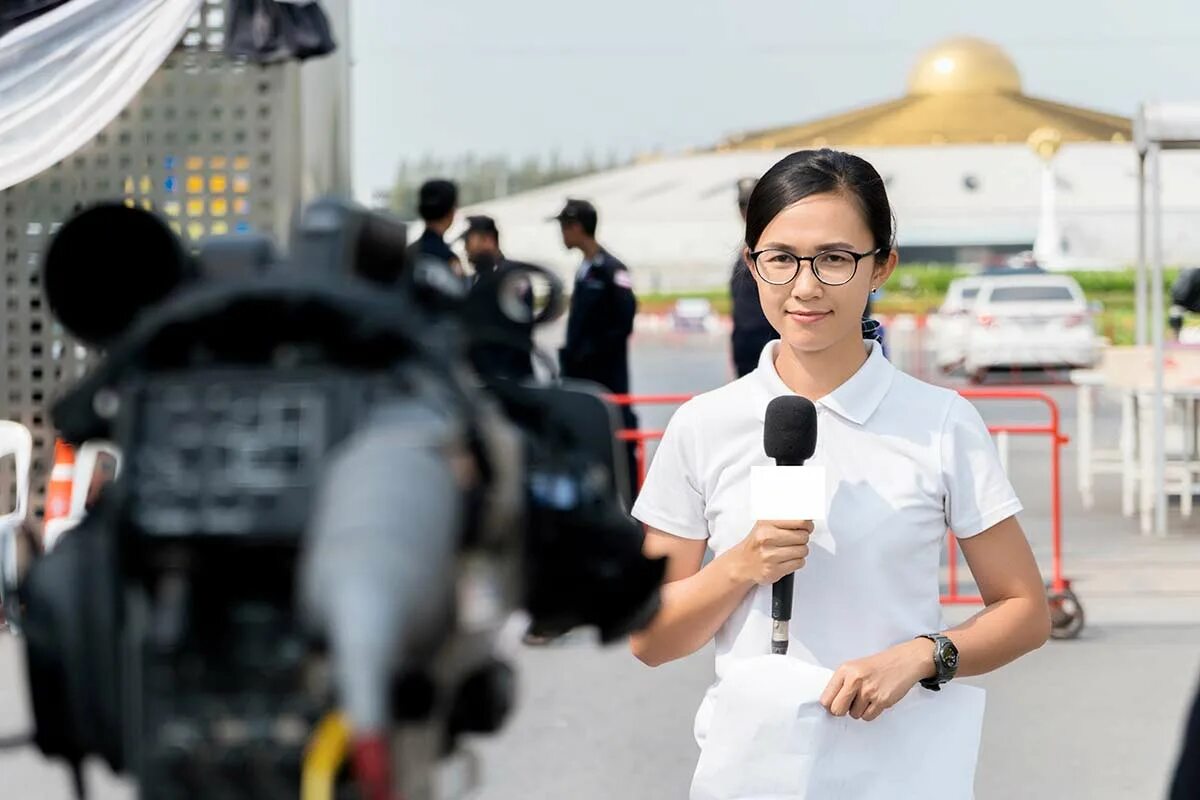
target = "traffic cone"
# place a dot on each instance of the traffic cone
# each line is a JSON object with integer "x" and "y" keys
{"x": 62, "y": 480}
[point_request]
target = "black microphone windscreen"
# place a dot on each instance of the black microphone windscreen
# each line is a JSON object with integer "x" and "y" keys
{"x": 790, "y": 430}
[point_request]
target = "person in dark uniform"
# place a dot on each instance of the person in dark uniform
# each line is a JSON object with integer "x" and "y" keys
{"x": 1186, "y": 783}
{"x": 1185, "y": 297}
{"x": 506, "y": 340}
{"x": 751, "y": 331}
{"x": 602, "y": 305}
{"x": 481, "y": 240}
{"x": 437, "y": 203}
{"x": 601, "y": 315}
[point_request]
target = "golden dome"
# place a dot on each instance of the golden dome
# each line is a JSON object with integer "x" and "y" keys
{"x": 962, "y": 91}
{"x": 964, "y": 65}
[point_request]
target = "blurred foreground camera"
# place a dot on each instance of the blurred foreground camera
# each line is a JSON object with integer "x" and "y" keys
{"x": 324, "y": 504}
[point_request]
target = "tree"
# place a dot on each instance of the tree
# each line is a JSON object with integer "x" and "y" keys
{"x": 482, "y": 179}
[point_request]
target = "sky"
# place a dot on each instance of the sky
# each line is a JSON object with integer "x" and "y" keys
{"x": 522, "y": 78}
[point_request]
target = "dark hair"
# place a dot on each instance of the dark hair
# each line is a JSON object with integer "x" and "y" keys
{"x": 581, "y": 212}
{"x": 436, "y": 199}
{"x": 808, "y": 172}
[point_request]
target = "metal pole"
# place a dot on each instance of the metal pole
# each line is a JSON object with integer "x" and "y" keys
{"x": 1157, "y": 323}
{"x": 1083, "y": 451}
{"x": 324, "y": 133}
{"x": 1057, "y": 584}
{"x": 1140, "y": 274}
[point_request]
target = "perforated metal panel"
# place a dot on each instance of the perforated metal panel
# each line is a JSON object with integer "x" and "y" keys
{"x": 208, "y": 142}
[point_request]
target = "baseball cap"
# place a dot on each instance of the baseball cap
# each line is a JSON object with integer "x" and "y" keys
{"x": 745, "y": 187}
{"x": 580, "y": 211}
{"x": 481, "y": 223}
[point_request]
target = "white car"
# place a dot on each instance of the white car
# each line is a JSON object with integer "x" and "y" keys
{"x": 953, "y": 321}
{"x": 693, "y": 314}
{"x": 1030, "y": 321}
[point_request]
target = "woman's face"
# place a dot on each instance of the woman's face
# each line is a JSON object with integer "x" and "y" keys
{"x": 811, "y": 316}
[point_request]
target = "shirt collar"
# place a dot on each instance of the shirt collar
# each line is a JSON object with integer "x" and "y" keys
{"x": 588, "y": 263}
{"x": 855, "y": 400}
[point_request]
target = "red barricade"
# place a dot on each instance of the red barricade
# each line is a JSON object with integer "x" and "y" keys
{"x": 1059, "y": 587}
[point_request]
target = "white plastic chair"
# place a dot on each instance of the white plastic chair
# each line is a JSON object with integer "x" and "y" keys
{"x": 15, "y": 441}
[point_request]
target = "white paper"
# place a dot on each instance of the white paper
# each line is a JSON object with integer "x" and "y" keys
{"x": 770, "y": 739}
{"x": 787, "y": 493}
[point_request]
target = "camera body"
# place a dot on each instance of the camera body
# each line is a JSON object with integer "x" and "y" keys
{"x": 322, "y": 505}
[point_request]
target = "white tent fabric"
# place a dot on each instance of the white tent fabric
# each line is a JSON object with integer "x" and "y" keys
{"x": 68, "y": 73}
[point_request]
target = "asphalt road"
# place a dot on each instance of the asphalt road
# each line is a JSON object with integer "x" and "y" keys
{"x": 1097, "y": 718}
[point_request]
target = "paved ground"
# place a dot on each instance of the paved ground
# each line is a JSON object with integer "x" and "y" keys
{"x": 1095, "y": 719}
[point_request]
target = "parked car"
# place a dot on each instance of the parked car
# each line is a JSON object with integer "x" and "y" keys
{"x": 693, "y": 314}
{"x": 952, "y": 321}
{"x": 1034, "y": 321}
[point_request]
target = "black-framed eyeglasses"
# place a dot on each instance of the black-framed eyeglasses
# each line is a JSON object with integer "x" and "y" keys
{"x": 832, "y": 267}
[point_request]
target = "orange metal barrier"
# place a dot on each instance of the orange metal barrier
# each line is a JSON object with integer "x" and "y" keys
{"x": 641, "y": 436}
{"x": 1065, "y": 609}
{"x": 1058, "y": 585}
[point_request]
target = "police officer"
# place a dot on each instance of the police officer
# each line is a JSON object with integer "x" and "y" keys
{"x": 602, "y": 305}
{"x": 1185, "y": 297}
{"x": 751, "y": 331}
{"x": 601, "y": 314}
{"x": 505, "y": 340}
{"x": 1186, "y": 783}
{"x": 437, "y": 203}
{"x": 481, "y": 240}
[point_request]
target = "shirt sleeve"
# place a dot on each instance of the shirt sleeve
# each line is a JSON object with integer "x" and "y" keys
{"x": 670, "y": 498}
{"x": 978, "y": 493}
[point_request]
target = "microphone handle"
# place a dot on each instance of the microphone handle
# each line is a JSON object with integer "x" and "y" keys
{"x": 781, "y": 595}
{"x": 781, "y": 614}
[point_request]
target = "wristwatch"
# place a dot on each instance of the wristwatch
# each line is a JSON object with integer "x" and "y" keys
{"x": 945, "y": 660}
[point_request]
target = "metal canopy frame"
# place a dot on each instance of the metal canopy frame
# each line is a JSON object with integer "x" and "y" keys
{"x": 1157, "y": 127}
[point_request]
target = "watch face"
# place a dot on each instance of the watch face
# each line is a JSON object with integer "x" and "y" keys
{"x": 949, "y": 655}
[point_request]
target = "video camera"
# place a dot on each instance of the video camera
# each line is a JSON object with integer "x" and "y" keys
{"x": 322, "y": 505}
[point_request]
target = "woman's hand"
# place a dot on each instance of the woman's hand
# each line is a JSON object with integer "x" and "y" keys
{"x": 867, "y": 687}
{"x": 772, "y": 550}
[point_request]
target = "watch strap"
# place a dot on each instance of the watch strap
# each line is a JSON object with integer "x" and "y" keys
{"x": 944, "y": 673}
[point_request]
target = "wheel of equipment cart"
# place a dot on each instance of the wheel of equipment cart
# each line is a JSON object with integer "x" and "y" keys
{"x": 1066, "y": 615}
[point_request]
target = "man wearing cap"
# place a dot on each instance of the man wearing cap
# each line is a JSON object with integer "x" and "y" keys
{"x": 602, "y": 305}
{"x": 751, "y": 331}
{"x": 600, "y": 320}
{"x": 437, "y": 203}
{"x": 481, "y": 240}
{"x": 504, "y": 345}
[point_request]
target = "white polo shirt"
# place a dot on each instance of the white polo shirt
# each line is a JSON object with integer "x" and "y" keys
{"x": 904, "y": 461}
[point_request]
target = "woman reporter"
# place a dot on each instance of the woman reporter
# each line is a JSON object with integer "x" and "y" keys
{"x": 904, "y": 460}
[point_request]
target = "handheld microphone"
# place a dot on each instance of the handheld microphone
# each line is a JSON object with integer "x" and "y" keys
{"x": 789, "y": 437}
